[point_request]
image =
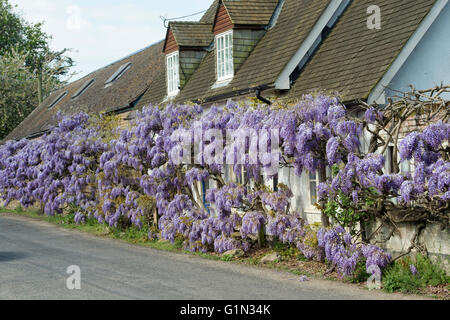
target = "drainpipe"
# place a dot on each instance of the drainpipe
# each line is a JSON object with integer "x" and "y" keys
{"x": 259, "y": 97}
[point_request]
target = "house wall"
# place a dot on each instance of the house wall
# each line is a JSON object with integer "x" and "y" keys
{"x": 189, "y": 62}
{"x": 429, "y": 63}
{"x": 433, "y": 237}
{"x": 171, "y": 44}
{"x": 223, "y": 21}
{"x": 436, "y": 240}
{"x": 299, "y": 186}
{"x": 244, "y": 41}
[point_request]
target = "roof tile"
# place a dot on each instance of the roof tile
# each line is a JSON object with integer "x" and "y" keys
{"x": 353, "y": 59}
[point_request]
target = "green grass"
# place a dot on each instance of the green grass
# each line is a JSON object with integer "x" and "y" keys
{"x": 287, "y": 252}
{"x": 21, "y": 211}
{"x": 398, "y": 277}
{"x": 132, "y": 234}
{"x": 227, "y": 257}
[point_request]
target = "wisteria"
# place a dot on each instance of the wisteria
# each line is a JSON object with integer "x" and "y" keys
{"x": 363, "y": 177}
{"x": 413, "y": 269}
{"x": 131, "y": 176}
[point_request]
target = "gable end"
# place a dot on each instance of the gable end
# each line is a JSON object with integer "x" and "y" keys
{"x": 171, "y": 44}
{"x": 223, "y": 21}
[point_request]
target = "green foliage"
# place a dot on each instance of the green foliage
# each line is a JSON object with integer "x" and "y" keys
{"x": 132, "y": 233}
{"x": 29, "y": 69}
{"x": 227, "y": 257}
{"x": 342, "y": 211}
{"x": 18, "y": 92}
{"x": 179, "y": 241}
{"x": 398, "y": 277}
{"x": 287, "y": 251}
{"x": 17, "y": 33}
{"x": 106, "y": 125}
{"x": 360, "y": 274}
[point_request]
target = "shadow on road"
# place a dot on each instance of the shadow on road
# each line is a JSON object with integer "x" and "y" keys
{"x": 10, "y": 256}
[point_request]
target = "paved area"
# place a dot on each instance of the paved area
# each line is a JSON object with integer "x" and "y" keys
{"x": 35, "y": 255}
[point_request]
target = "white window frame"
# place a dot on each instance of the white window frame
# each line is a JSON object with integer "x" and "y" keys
{"x": 224, "y": 56}
{"x": 173, "y": 73}
{"x": 310, "y": 181}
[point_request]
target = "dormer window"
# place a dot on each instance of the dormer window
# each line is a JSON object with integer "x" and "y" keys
{"x": 173, "y": 74}
{"x": 57, "y": 100}
{"x": 119, "y": 72}
{"x": 83, "y": 88}
{"x": 224, "y": 47}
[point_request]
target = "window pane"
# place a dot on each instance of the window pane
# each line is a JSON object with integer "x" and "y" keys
{"x": 226, "y": 62}
{"x": 176, "y": 73}
{"x": 224, "y": 56}
{"x": 230, "y": 60}
{"x": 173, "y": 78}
{"x": 313, "y": 192}
{"x": 222, "y": 59}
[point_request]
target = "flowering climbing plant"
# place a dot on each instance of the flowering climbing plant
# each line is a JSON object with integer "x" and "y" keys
{"x": 153, "y": 174}
{"x": 371, "y": 182}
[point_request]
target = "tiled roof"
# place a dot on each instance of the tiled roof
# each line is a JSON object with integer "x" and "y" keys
{"x": 267, "y": 60}
{"x": 157, "y": 91}
{"x": 353, "y": 59}
{"x": 145, "y": 65}
{"x": 210, "y": 14}
{"x": 192, "y": 34}
{"x": 250, "y": 12}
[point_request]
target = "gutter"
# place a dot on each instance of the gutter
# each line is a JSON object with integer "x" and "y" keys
{"x": 35, "y": 135}
{"x": 237, "y": 93}
{"x": 41, "y": 133}
{"x": 259, "y": 97}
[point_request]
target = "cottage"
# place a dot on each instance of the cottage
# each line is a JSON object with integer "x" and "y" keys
{"x": 270, "y": 49}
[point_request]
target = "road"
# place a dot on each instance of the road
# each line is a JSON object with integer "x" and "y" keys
{"x": 35, "y": 255}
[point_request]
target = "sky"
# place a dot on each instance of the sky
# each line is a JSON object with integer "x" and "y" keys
{"x": 103, "y": 31}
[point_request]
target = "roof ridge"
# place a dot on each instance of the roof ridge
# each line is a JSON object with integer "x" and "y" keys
{"x": 189, "y": 22}
{"x": 109, "y": 65}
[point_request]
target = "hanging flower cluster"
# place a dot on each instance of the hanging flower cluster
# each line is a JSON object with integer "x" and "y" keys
{"x": 120, "y": 178}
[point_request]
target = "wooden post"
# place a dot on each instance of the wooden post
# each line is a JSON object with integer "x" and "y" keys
{"x": 262, "y": 237}
{"x": 155, "y": 216}
{"x": 323, "y": 216}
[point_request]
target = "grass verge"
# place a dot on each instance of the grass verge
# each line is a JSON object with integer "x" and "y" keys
{"x": 290, "y": 260}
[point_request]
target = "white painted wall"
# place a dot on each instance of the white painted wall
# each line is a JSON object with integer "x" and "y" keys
{"x": 300, "y": 188}
{"x": 429, "y": 63}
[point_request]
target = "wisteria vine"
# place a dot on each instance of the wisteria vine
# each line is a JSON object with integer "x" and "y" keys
{"x": 127, "y": 176}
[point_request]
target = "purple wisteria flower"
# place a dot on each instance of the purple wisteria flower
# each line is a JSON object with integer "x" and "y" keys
{"x": 413, "y": 269}
{"x": 303, "y": 279}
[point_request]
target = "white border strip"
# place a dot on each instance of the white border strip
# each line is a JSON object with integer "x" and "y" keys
{"x": 327, "y": 16}
{"x": 409, "y": 47}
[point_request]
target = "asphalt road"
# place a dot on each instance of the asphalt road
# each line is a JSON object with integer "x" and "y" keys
{"x": 35, "y": 255}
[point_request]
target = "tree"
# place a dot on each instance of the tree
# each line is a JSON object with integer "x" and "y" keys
{"x": 18, "y": 91}
{"x": 30, "y": 70}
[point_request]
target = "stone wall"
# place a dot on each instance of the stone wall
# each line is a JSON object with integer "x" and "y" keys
{"x": 435, "y": 239}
